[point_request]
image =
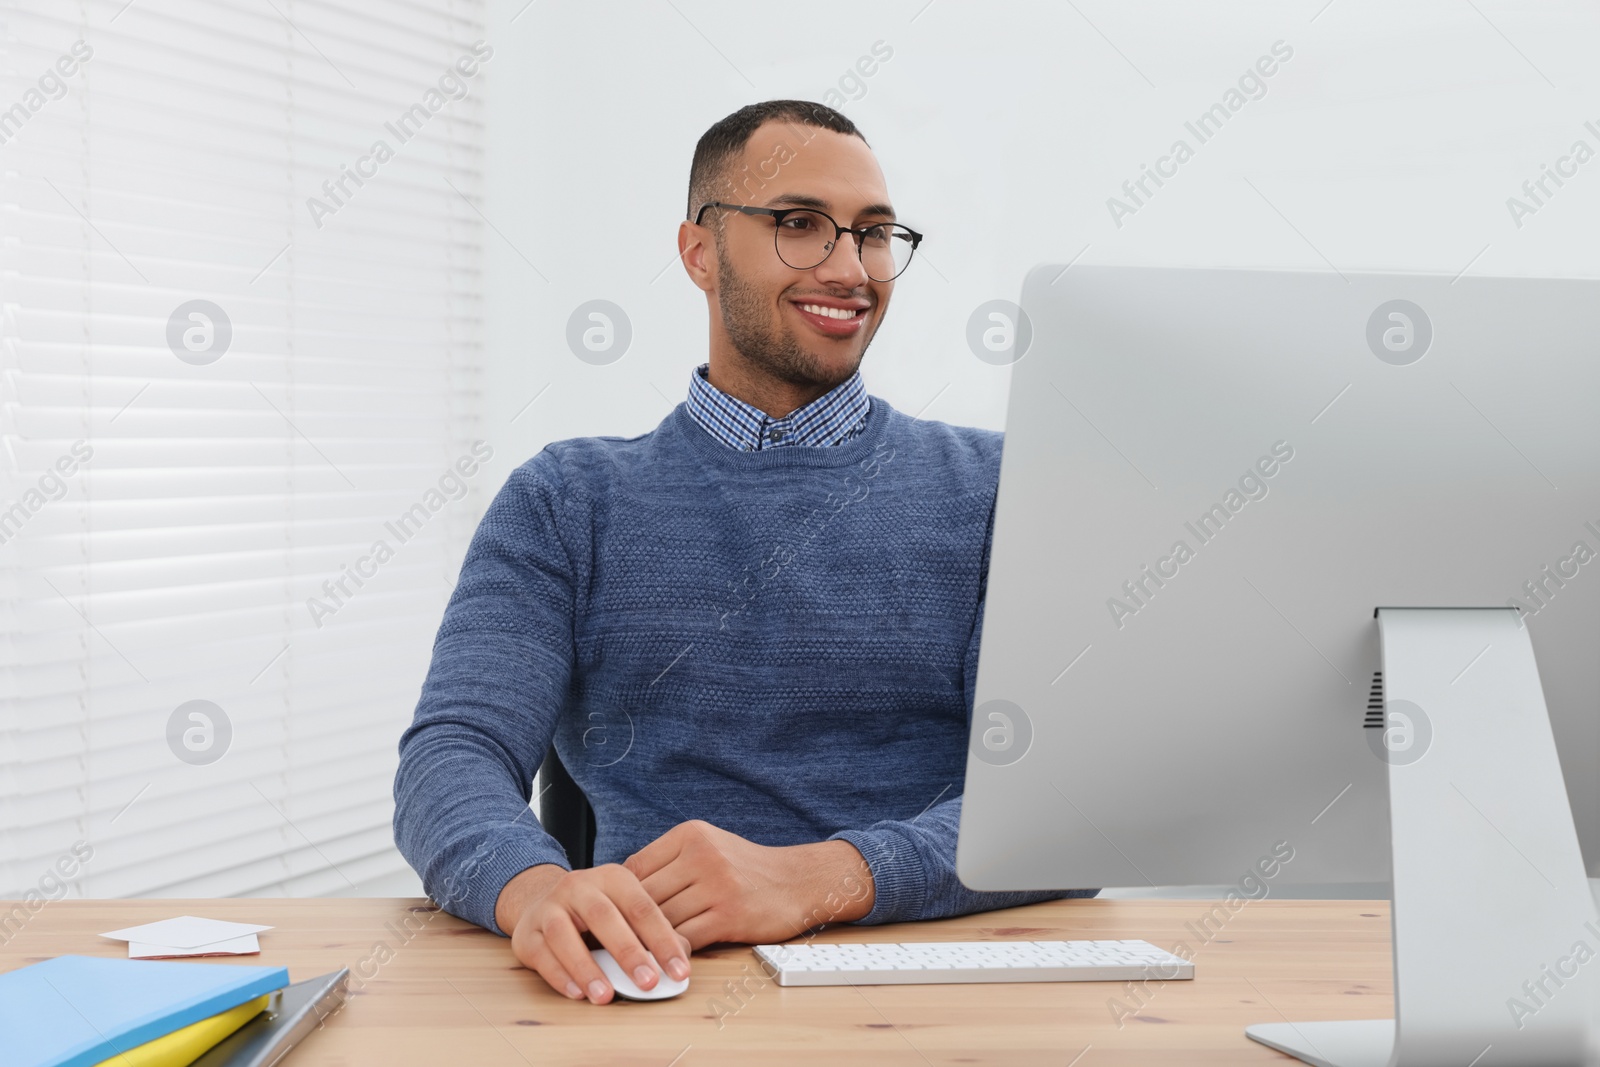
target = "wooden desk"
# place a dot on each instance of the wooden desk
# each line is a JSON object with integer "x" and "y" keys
{"x": 431, "y": 989}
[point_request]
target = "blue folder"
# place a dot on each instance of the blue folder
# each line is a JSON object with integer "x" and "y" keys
{"x": 74, "y": 1011}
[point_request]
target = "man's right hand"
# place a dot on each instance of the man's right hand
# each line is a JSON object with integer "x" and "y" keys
{"x": 547, "y": 910}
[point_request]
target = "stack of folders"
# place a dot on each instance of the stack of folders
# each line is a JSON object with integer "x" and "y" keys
{"x": 87, "y": 1011}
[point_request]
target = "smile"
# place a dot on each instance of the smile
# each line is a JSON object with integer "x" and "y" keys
{"x": 831, "y": 312}
{"x": 831, "y": 321}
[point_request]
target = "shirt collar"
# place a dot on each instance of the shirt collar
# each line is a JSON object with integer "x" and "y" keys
{"x": 831, "y": 419}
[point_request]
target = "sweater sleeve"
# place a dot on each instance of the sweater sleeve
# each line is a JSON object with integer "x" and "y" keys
{"x": 913, "y": 861}
{"x": 501, "y": 665}
{"x": 913, "y": 865}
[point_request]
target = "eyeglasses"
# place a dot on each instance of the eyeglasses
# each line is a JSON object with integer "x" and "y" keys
{"x": 804, "y": 238}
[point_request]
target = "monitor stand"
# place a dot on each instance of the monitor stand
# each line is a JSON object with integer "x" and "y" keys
{"x": 1496, "y": 943}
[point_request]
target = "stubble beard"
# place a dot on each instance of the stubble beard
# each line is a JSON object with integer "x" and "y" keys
{"x": 747, "y": 320}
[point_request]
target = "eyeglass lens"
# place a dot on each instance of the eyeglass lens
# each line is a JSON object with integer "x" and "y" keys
{"x": 804, "y": 239}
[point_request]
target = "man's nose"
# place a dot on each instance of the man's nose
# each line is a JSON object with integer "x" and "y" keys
{"x": 843, "y": 265}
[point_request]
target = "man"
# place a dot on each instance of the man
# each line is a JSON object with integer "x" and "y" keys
{"x": 752, "y": 632}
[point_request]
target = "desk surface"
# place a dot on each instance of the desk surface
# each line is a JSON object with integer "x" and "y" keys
{"x": 431, "y": 989}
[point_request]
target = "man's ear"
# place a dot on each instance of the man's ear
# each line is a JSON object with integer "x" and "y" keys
{"x": 699, "y": 254}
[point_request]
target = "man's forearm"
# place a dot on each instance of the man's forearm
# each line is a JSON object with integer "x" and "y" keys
{"x": 522, "y": 890}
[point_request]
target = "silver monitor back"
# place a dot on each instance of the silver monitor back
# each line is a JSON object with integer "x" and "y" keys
{"x": 1210, "y": 480}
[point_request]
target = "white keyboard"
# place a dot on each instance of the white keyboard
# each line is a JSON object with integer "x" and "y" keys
{"x": 926, "y": 962}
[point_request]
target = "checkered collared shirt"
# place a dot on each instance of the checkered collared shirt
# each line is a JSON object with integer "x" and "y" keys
{"x": 833, "y": 418}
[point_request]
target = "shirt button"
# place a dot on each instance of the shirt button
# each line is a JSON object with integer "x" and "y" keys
{"x": 775, "y": 436}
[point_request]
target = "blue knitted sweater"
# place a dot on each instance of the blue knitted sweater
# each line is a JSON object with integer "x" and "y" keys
{"x": 781, "y": 642}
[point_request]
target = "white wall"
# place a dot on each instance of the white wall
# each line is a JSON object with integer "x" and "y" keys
{"x": 1390, "y": 140}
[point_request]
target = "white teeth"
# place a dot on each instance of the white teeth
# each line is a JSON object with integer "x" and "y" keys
{"x": 828, "y": 312}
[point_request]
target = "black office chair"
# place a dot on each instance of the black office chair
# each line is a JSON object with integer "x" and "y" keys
{"x": 565, "y": 812}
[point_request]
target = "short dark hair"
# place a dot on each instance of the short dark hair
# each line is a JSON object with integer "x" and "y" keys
{"x": 727, "y": 138}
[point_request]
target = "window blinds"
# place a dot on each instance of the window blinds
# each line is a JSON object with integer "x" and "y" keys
{"x": 240, "y": 362}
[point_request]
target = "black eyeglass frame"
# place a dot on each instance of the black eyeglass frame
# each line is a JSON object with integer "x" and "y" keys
{"x": 778, "y": 215}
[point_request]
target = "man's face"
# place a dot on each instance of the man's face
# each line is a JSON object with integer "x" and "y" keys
{"x": 763, "y": 301}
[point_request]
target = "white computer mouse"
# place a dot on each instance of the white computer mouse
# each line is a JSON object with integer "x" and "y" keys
{"x": 666, "y": 986}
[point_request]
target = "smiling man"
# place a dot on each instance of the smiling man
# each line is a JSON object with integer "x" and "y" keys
{"x": 751, "y": 633}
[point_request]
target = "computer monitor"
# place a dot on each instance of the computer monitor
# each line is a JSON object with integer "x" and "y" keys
{"x": 1271, "y": 546}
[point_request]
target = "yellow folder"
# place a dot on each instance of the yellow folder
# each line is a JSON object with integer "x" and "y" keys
{"x": 183, "y": 1046}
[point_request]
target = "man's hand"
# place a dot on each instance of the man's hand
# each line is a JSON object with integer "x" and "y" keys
{"x": 547, "y": 909}
{"x": 712, "y": 885}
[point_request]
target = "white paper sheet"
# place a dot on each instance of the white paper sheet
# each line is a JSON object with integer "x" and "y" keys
{"x": 233, "y": 946}
{"x": 188, "y": 935}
